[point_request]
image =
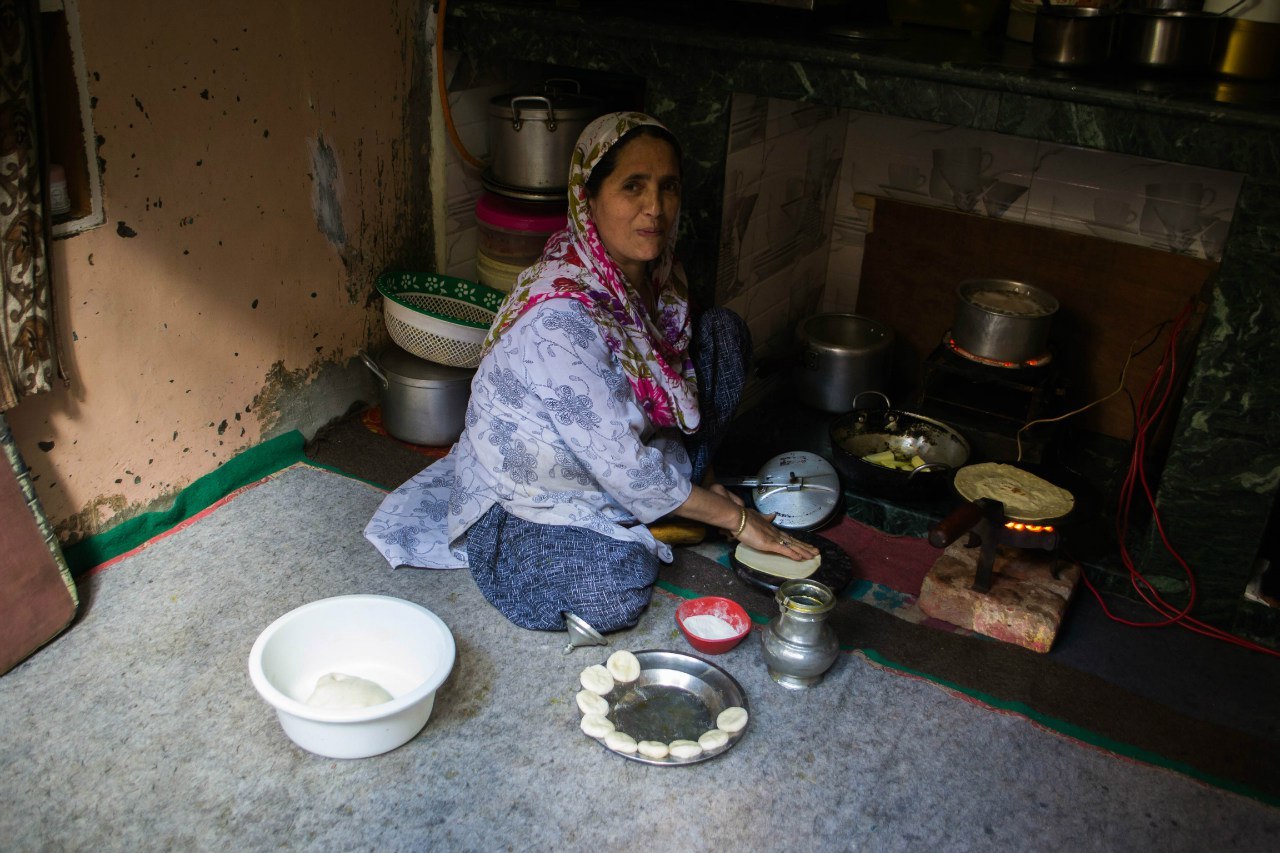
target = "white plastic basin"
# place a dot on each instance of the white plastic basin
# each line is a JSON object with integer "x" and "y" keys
{"x": 400, "y": 645}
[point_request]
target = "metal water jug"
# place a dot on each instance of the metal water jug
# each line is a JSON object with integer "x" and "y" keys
{"x": 799, "y": 646}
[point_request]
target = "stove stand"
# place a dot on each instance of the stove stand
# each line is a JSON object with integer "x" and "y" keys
{"x": 990, "y": 403}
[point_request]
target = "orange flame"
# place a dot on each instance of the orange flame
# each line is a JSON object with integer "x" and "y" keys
{"x": 1029, "y": 528}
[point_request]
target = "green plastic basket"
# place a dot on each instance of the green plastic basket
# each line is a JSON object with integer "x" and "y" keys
{"x": 438, "y": 317}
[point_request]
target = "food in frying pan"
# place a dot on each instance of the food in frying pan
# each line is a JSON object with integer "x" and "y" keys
{"x": 889, "y": 459}
{"x": 776, "y": 564}
{"x": 1024, "y": 495}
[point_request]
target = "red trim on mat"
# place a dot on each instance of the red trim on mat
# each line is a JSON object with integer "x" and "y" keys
{"x": 187, "y": 522}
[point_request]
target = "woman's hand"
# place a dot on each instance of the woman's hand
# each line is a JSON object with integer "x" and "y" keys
{"x": 717, "y": 506}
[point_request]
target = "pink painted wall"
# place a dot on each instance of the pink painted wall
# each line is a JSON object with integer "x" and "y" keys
{"x": 261, "y": 154}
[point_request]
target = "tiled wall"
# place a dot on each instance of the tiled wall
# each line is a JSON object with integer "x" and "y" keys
{"x": 796, "y": 207}
{"x": 775, "y": 178}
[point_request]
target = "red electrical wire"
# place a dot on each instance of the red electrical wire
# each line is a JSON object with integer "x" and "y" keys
{"x": 1162, "y": 385}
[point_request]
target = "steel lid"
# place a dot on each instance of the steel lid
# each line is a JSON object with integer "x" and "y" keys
{"x": 407, "y": 369}
{"x": 801, "y": 487}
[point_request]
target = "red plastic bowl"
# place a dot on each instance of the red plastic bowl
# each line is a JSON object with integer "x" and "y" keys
{"x": 729, "y": 611}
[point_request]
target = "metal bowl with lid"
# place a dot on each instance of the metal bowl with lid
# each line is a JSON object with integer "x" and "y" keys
{"x": 422, "y": 402}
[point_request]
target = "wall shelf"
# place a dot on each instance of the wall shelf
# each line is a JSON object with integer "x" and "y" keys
{"x": 67, "y": 119}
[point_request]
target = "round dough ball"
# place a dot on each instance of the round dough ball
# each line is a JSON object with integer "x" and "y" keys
{"x": 653, "y": 749}
{"x": 623, "y": 666}
{"x": 596, "y": 725}
{"x": 713, "y": 739}
{"x": 340, "y": 691}
{"x": 597, "y": 679}
{"x": 591, "y": 703}
{"x": 685, "y": 749}
{"x": 732, "y": 719}
{"x": 620, "y": 742}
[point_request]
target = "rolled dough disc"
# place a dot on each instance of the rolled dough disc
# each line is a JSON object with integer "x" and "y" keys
{"x": 591, "y": 703}
{"x": 732, "y": 719}
{"x": 596, "y": 679}
{"x": 775, "y": 564}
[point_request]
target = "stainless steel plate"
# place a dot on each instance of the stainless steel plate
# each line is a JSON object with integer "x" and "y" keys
{"x": 677, "y": 696}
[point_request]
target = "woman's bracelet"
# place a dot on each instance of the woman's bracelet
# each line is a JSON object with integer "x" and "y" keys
{"x": 742, "y": 523}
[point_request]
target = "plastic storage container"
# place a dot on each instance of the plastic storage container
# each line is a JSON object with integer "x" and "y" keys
{"x": 496, "y": 274}
{"x": 511, "y": 231}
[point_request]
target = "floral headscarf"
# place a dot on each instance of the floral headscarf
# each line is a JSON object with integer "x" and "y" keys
{"x": 575, "y": 265}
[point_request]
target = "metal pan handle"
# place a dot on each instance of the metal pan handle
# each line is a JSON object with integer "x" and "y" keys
{"x": 880, "y": 394}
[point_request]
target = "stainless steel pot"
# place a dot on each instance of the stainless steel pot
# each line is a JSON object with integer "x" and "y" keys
{"x": 1003, "y": 320}
{"x": 422, "y": 402}
{"x": 1073, "y": 36}
{"x": 841, "y": 356}
{"x": 1169, "y": 40}
{"x": 531, "y": 137}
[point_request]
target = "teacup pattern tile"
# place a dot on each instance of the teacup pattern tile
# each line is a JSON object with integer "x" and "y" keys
{"x": 1166, "y": 206}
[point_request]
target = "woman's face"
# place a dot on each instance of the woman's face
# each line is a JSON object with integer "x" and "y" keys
{"x": 637, "y": 204}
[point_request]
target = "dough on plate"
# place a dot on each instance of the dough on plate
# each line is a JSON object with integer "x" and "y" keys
{"x": 776, "y": 564}
{"x": 653, "y": 749}
{"x": 620, "y": 742}
{"x": 732, "y": 719}
{"x": 338, "y": 690}
{"x": 1024, "y": 495}
{"x": 597, "y": 679}
{"x": 591, "y": 703}
{"x": 623, "y": 666}
{"x": 685, "y": 749}
{"x": 713, "y": 739}
{"x": 596, "y": 725}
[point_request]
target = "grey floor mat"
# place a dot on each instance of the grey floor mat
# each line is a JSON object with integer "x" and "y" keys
{"x": 138, "y": 729}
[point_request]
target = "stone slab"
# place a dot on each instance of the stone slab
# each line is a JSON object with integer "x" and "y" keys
{"x": 1030, "y": 591}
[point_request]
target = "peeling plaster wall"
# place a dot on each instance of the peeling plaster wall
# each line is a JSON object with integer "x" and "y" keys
{"x": 258, "y": 174}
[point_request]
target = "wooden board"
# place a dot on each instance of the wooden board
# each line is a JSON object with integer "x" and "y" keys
{"x": 1111, "y": 295}
{"x": 37, "y": 597}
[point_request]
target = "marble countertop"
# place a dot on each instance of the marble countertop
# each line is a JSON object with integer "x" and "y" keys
{"x": 993, "y": 62}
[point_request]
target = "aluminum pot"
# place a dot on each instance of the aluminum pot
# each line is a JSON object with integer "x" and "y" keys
{"x": 1003, "y": 320}
{"x": 841, "y": 356}
{"x": 1169, "y": 40}
{"x": 864, "y": 431}
{"x": 422, "y": 402}
{"x": 531, "y": 138}
{"x": 1073, "y": 36}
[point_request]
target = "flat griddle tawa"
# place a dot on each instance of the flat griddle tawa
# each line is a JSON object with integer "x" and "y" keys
{"x": 836, "y": 571}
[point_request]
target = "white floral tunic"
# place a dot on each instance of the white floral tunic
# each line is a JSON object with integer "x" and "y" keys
{"x": 554, "y": 434}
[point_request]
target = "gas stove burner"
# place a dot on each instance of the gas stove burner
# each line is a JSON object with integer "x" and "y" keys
{"x": 1039, "y": 361}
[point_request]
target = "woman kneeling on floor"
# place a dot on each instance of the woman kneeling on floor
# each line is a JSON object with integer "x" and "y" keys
{"x": 595, "y": 410}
